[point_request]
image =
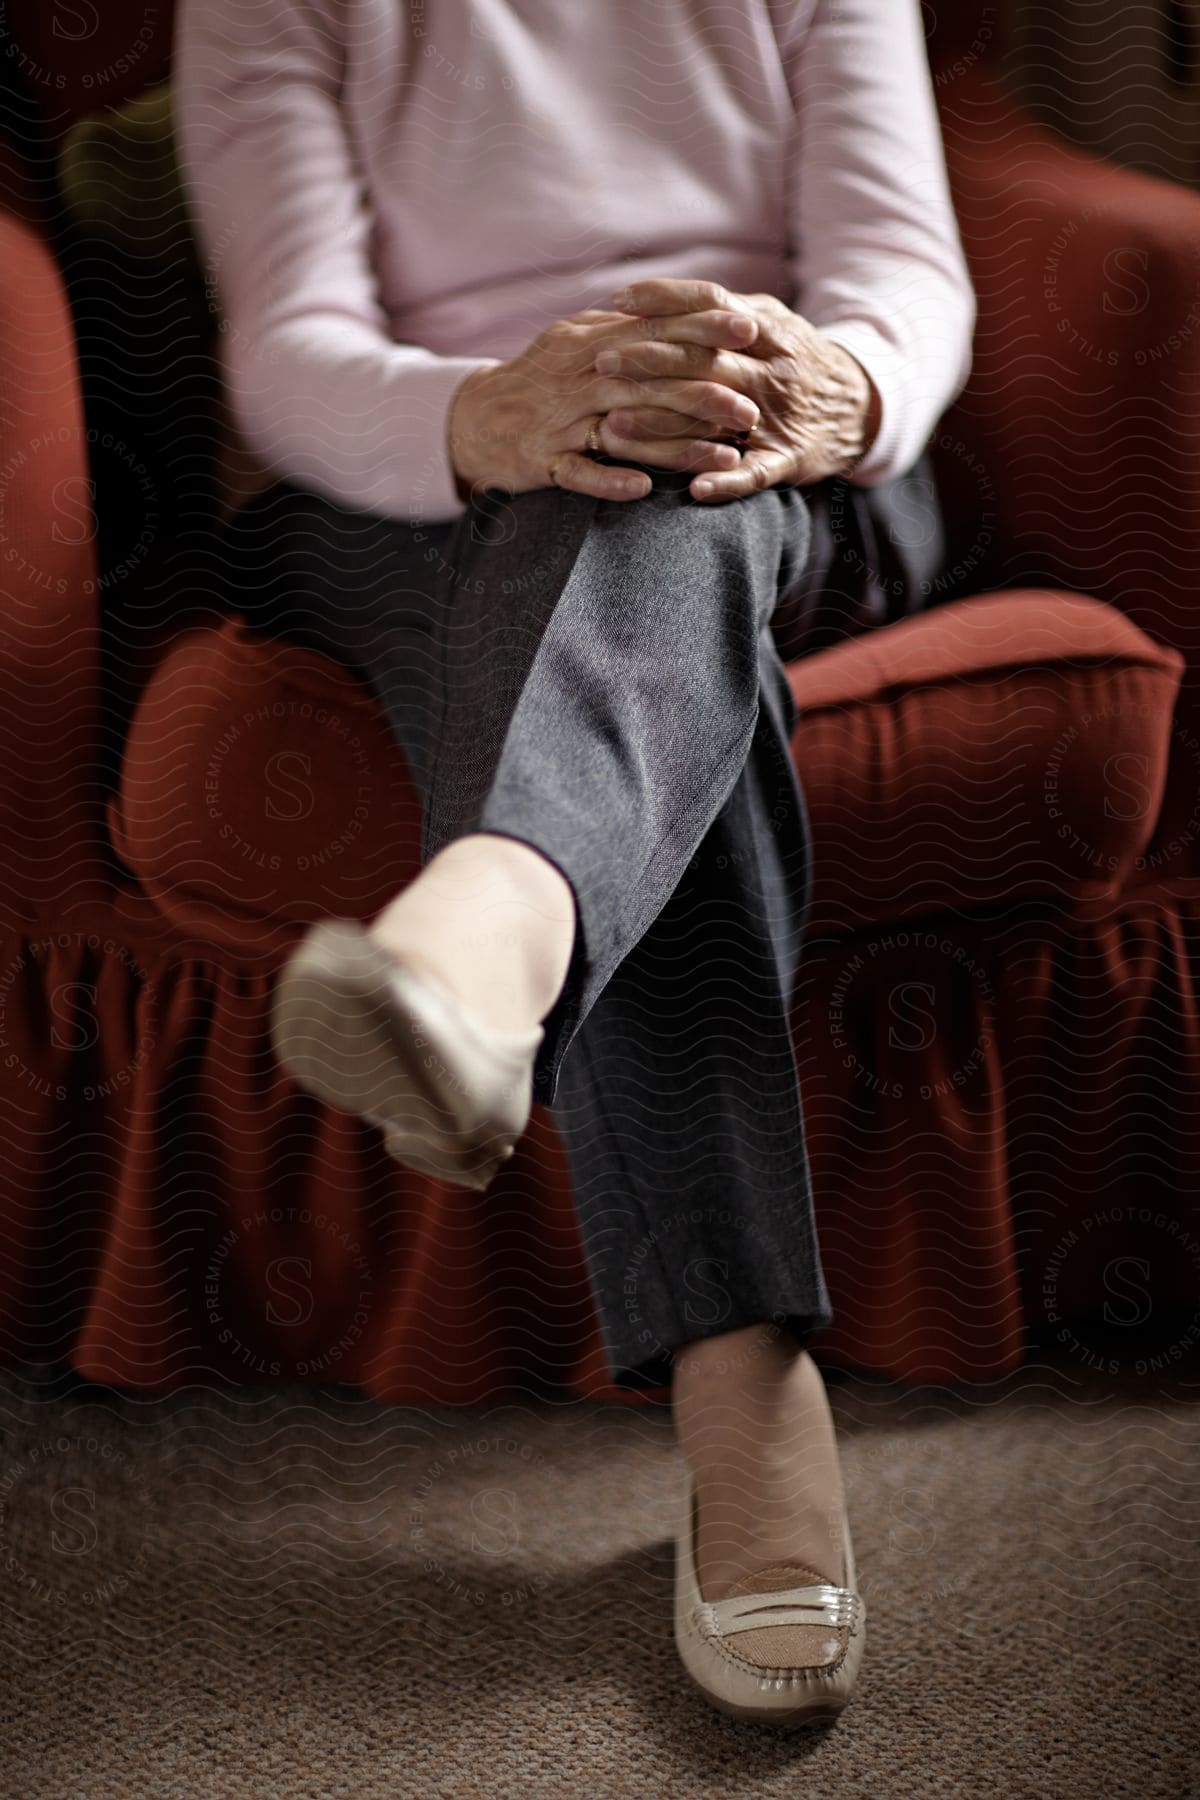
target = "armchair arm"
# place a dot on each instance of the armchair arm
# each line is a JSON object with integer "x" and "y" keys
{"x": 1081, "y": 413}
{"x": 50, "y": 813}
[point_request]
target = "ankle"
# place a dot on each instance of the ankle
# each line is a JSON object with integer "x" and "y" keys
{"x": 757, "y": 1434}
{"x": 487, "y": 869}
{"x": 492, "y": 920}
{"x": 765, "y": 1354}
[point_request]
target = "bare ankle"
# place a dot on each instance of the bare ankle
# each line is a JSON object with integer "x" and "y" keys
{"x": 494, "y": 921}
{"x": 766, "y": 1350}
{"x": 486, "y": 865}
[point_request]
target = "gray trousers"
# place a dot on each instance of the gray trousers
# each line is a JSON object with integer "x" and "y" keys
{"x": 600, "y": 680}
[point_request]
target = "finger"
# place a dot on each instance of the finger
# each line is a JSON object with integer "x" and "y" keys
{"x": 580, "y": 475}
{"x": 671, "y": 452}
{"x": 663, "y": 359}
{"x": 667, "y": 294}
{"x": 593, "y": 315}
{"x": 758, "y": 469}
{"x": 719, "y": 328}
{"x": 655, "y": 422}
{"x": 708, "y": 401}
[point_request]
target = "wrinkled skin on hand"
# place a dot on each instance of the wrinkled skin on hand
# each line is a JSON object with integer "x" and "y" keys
{"x": 666, "y": 379}
{"x": 819, "y": 411}
{"x": 523, "y": 423}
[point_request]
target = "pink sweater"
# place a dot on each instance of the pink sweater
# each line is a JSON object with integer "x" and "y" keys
{"x": 391, "y": 192}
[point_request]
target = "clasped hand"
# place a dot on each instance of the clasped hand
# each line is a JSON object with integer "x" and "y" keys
{"x": 674, "y": 369}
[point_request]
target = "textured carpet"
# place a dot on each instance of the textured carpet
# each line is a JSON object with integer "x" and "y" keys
{"x": 304, "y": 1594}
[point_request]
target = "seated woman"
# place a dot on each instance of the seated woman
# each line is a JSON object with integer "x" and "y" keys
{"x": 546, "y": 315}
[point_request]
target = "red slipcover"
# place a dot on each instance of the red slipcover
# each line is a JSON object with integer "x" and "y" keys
{"x": 995, "y": 1022}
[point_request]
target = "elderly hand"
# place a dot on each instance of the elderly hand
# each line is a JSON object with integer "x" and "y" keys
{"x": 524, "y": 423}
{"x": 820, "y": 410}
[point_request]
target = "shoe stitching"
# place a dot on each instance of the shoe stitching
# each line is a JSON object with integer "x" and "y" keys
{"x": 794, "y": 1673}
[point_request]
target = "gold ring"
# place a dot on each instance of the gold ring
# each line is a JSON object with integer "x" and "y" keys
{"x": 593, "y": 437}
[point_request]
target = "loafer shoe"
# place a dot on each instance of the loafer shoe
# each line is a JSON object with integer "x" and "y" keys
{"x": 358, "y": 1029}
{"x": 787, "y": 1656}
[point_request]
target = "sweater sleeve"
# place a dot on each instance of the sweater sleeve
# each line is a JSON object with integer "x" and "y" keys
{"x": 878, "y": 262}
{"x": 321, "y": 391}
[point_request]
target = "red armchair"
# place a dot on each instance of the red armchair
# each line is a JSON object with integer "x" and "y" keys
{"x": 995, "y": 1022}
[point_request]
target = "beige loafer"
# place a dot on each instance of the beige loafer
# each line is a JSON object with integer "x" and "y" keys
{"x": 780, "y": 1691}
{"x": 357, "y": 1029}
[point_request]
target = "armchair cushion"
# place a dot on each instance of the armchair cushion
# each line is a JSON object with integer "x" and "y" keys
{"x": 261, "y": 789}
{"x": 1004, "y": 746}
{"x": 999, "y": 748}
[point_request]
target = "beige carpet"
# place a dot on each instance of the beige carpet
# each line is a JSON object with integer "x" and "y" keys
{"x": 305, "y": 1595}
